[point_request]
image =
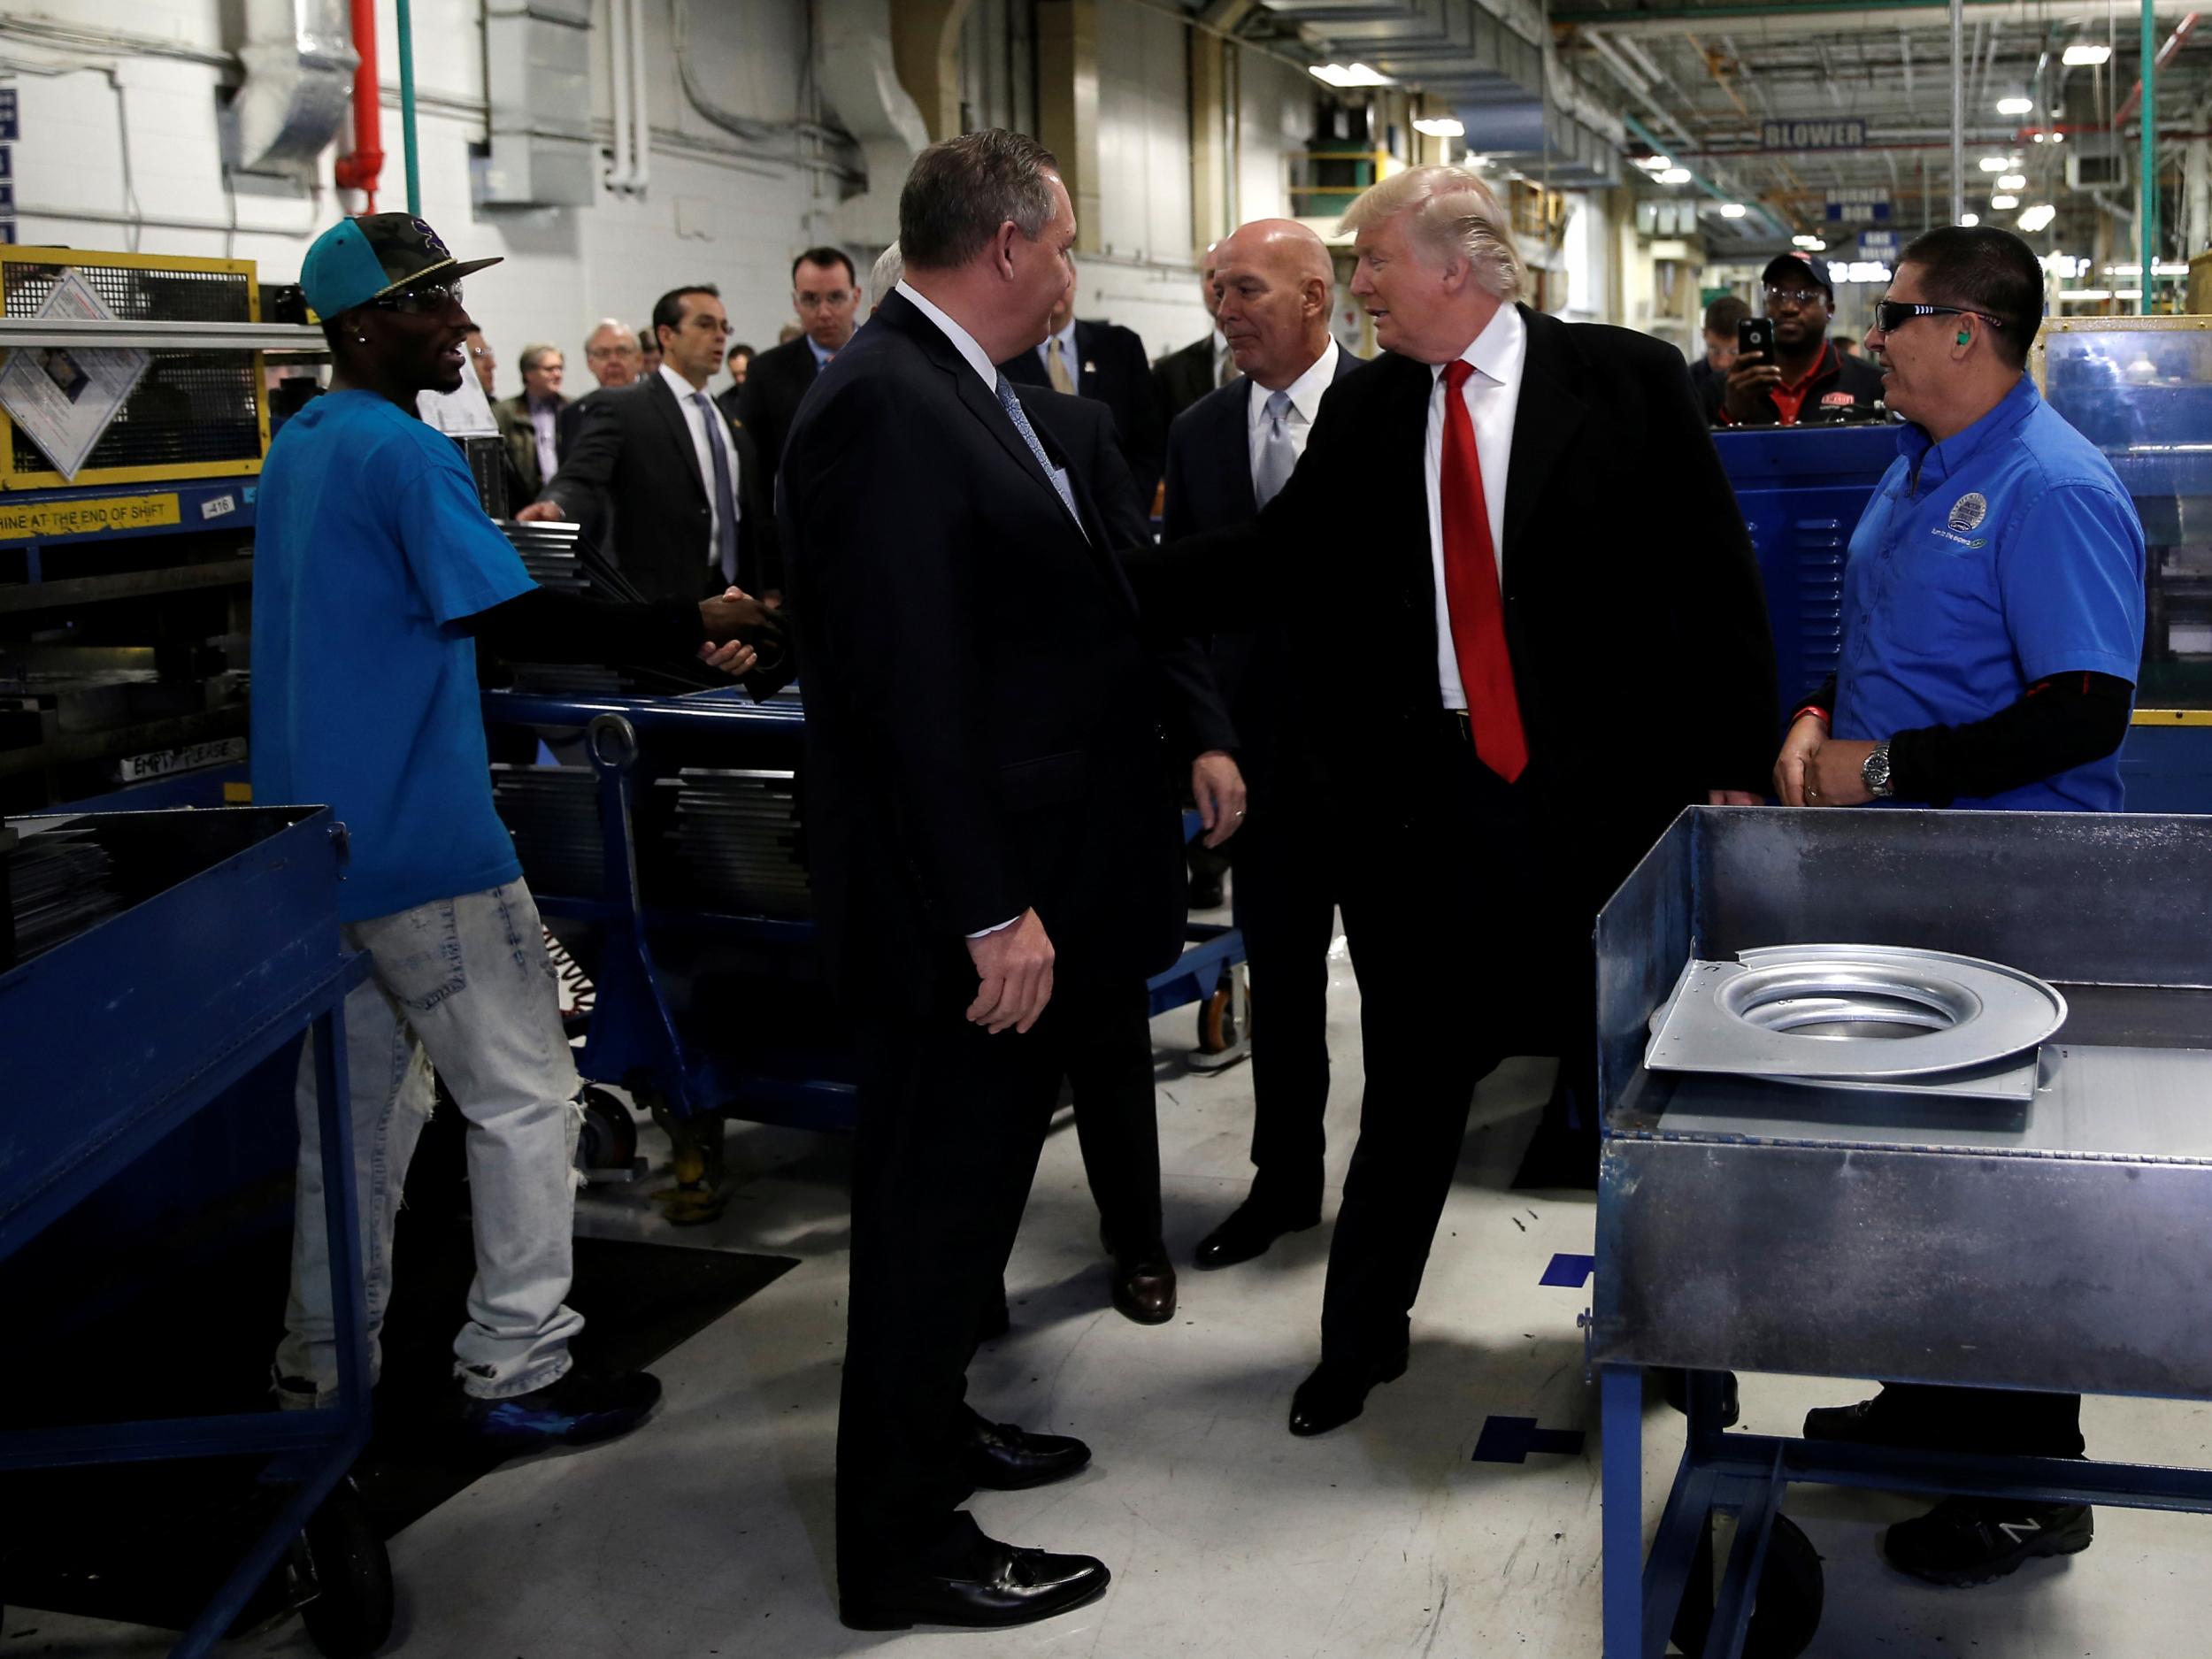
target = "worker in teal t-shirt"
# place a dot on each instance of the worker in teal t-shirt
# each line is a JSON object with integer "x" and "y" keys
{"x": 376, "y": 571}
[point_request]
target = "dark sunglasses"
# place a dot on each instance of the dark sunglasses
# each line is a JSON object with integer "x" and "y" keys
{"x": 1891, "y": 315}
{"x": 424, "y": 297}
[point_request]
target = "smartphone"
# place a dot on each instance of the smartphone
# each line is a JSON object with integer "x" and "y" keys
{"x": 1755, "y": 336}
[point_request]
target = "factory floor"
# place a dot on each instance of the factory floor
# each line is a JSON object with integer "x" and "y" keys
{"x": 708, "y": 1531}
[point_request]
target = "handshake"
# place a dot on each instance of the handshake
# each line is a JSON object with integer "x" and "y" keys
{"x": 743, "y": 634}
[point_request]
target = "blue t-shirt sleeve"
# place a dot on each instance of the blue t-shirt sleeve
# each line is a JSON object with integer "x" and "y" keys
{"x": 2071, "y": 581}
{"x": 455, "y": 553}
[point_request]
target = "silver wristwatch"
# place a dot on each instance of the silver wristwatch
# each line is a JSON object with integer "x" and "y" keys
{"x": 1874, "y": 772}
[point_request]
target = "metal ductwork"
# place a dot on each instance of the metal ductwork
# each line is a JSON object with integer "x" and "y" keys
{"x": 853, "y": 66}
{"x": 537, "y": 69}
{"x": 299, "y": 61}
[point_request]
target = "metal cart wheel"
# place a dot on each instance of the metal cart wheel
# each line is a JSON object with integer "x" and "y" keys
{"x": 1786, "y": 1610}
{"x": 344, "y": 1558}
{"x": 1224, "y": 1018}
{"x": 608, "y": 1140}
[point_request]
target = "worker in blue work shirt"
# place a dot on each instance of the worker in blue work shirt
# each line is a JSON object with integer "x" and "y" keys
{"x": 1993, "y": 630}
{"x": 376, "y": 573}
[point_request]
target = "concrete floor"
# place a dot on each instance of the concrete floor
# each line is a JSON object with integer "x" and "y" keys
{"x": 708, "y": 1531}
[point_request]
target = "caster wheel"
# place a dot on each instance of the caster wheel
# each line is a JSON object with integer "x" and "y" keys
{"x": 1786, "y": 1616}
{"x": 344, "y": 1558}
{"x": 608, "y": 1140}
{"x": 1224, "y": 1018}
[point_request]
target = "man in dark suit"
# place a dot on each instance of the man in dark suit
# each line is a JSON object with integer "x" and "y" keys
{"x": 993, "y": 848}
{"x": 825, "y": 293}
{"x": 1228, "y": 455}
{"x": 1564, "y": 644}
{"x": 1106, "y": 361}
{"x": 739, "y": 360}
{"x": 686, "y": 492}
{"x": 1183, "y": 377}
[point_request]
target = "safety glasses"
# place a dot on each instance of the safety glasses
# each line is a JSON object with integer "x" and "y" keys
{"x": 421, "y": 298}
{"x": 1891, "y": 315}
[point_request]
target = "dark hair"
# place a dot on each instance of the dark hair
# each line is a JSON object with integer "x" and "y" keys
{"x": 962, "y": 190}
{"x": 332, "y": 328}
{"x": 668, "y": 311}
{"x": 1843, "y": 343}
{"x": 648, "y": 340}
{"x": 1988, "y": 269}
{"x": 746, "y": 352}
{"x": 825, "y": 257}
{"x": 1723, "y": 315}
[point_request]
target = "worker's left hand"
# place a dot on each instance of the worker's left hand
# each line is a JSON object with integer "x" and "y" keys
{"x": 1218, "y": 786}
{"x": 734, "y": 658}
{"x": 1834, "y": 777}
{"x": 1732, "y": 797}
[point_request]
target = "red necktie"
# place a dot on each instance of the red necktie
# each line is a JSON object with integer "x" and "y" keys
{"x": 1471, "y": 590}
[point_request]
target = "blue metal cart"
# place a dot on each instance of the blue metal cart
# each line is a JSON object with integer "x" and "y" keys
{"x": 227, "y": 949}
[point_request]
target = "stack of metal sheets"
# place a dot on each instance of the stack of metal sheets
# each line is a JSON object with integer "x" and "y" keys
{"x": 549, "y": 553}
{"x": 553, "y": 813}
{"x": 60, "y": 883}
{"x": 734, "y": 836}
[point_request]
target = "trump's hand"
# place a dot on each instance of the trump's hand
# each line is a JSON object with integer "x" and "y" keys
{"x": 1217, "y": 786}
{"x": 1792, "y": 765}
{"x": 541, "y": 512}
{"x": 734, "y": 658}
{"x": 1014, "y": 966}
{"x": 736, "y": 611}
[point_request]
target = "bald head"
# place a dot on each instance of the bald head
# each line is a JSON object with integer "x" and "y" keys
{"x": 1275, "y": 286}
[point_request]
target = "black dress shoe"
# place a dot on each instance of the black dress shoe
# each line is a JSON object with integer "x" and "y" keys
{"x": 1144, "y": 1289}
{"x": 1334, "y": 1395}
{"x": 1001, "y": 1457}
{"x": 1674, "y": 1386}
{"x": 1249, "y": 1233}
{"x": 982, "y": 1584}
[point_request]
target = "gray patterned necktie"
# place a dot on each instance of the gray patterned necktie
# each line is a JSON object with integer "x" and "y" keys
{"x": 1277, "y": 456}
{"x": 1029, "y": 436}
{"x": 725, "y": 495}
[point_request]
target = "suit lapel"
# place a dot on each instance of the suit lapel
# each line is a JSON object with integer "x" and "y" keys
{"x": 1544, "y": 423}
{"x": 672, "y": 414}
{"x": 1233, "y": 443}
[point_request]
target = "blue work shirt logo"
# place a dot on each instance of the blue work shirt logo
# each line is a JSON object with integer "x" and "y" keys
{"x": 1968, "y": 511}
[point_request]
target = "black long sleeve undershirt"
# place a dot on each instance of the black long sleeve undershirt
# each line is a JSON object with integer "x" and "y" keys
{"x": 2061, "y": 722}
{"x": 545, "y": 626}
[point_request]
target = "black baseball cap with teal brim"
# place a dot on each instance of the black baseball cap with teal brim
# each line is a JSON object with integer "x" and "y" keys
{"x": 360, "y": 260}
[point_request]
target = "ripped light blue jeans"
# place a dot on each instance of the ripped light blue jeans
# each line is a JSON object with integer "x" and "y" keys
{"x": 463, "y": 985}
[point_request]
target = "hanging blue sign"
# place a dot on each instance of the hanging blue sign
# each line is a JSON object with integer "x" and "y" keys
{"x": 1838, "y": 133}
{"x": 1877, "y": 244}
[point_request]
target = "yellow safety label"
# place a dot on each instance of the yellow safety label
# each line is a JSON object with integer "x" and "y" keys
{"x": 19, "y": 521}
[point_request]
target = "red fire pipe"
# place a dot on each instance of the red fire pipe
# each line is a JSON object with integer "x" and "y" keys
{"x": 359, "y": 170}
{"x": 2174, "y": 43}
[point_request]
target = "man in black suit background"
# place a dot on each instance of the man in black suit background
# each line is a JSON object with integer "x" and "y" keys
{"x": 1183, "y": 377}
{"x": 1563, "y": 643}
{"x": 1106, "y": 361}
{"x": 825, "y": 293}
{"x": 1228, "y": 455}
{"x": 992, "y": 847}
{"x": 686, "y": 491}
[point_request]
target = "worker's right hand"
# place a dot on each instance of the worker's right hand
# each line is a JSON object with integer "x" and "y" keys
{"x": 734, "y": 613}
{"x": 541, "y": 512}
{"x": 1015, "y": 968}
{"x": 1794, "y": 763}
{"x": 1748, "y": 383}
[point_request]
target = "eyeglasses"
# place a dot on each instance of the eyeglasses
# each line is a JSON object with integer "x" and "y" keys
{"x": 1891, "y": 315}
{"x": 424, "y": 297}
{"x": 833, "y": 302}
{"x": 1797, "y": 297}
{"x": 600, "y": 354}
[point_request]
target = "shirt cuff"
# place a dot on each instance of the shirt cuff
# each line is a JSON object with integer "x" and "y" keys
{"x": 1002, "y": 928}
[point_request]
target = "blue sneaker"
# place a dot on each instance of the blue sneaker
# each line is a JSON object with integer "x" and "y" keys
{"x": 577, "y": 1409}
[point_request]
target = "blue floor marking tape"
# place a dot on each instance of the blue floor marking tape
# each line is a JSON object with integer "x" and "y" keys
{"x": 1569, "y": 1273}
{"x": 1511, "y": 1439}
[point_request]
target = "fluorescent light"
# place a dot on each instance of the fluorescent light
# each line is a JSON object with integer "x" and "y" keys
{"x": 1442, "y": 127}
{"x": 2037, "y": 218}
{"x": 2087, "y": 54}
{"x": 2012, "y": 181}
{"x": 2003, "y": 203}
{"x": 2014, "y": 106}
{"x": 1349, "y": 75}
{"x": 1674, "y": 175}
{"x": 1969, "y": 220}
{"x": 1869, "y": 271}
{"x": 1655, "y": 163}
{"x": 2058, "y": 138}
{"x": 1732, "y": 210}
{"x": 2000, "y": 164}
{"x": 2137, "y": 270}
{"x": 2085, "y": 294}
{"x": 1811, "y": 244}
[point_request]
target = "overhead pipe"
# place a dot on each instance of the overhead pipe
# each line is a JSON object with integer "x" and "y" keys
{"x": 2148, "y": 228}
{"x": 407, "y": 105}
{"x": 620, "y": 175}
{"x": 2175, "y": 41}
{"x": 1769, "y": 19}
{"x": 641, "y": 117}
{"x": 360, "y": 169}
{"x": 1958, "y": 111}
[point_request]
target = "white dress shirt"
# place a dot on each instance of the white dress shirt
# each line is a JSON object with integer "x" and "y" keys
{"x": 1494, "y": 394}
{"x": 544, "y": 417}
{"x": 1305, "y": 402}
{"x": 1062, "y": 342}
{"x": 1224, "y": 361}
{"x": 707, "y": 426}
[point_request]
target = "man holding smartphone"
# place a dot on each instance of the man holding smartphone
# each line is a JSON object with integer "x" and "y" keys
{"x": 1786, "y": 371}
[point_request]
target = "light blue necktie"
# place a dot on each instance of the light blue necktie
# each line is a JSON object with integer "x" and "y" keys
{"x": 1013, "y": 406}
{"x": 1277, "y": 457}
{"x": 725, "y": 495}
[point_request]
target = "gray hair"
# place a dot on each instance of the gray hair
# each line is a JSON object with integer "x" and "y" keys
{"x": 962, "y": 189}
{"x": 884, "y": 275}
{"x": 627, "y": 335}
{"x": 1454, "y": 215}
{"x": 534, "y": 355}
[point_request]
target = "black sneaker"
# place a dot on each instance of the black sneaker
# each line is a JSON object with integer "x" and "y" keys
{"x": 576, "y": 1409}
{"x": 1979, "y": 1540}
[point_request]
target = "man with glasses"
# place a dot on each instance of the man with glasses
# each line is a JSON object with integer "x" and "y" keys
{"x": 686, "y": 491}
{"x": 529, "y": 425}
{"x": 376, "y": 573}
{"x": 1992, "y": 629}
{"x": 825, "y": 294}
{"x": 1809, "y": 379}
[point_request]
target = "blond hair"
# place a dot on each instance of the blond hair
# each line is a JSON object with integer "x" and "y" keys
{"x": 1454, "y": 215}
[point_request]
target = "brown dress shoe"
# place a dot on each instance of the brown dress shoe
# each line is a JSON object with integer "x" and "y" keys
{"x": 1144, "y": 1288}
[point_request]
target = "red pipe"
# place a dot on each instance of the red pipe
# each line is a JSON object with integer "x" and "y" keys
{"x": 2174, "y": 43}
{"x": 359, "y": 170}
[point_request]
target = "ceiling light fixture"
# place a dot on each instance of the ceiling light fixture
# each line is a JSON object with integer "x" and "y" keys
{"x": 2087, "y": 54}
{"x": 1811, "y": 244}
{"x": 2037, "y": 218}
{"x": 2014, "y": 106}
{"x": 2000, "y": 164}
{"x": 1442, "y": 127}
{"x": 1674, "y": 175}
{"x": 2003, "y": 203}
{"x": 1349, "y": 75}
{"x": 1969, "y": 220}
{"x": 1732, "y": 210}
{"x": 2012, "y": 181}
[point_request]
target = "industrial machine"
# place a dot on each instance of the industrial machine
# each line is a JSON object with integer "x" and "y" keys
{"x": 1826, "y": 1205}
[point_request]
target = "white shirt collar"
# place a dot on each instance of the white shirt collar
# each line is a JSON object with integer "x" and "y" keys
{"x": 962, "y": 339}
{"x": 683, "y": 388}
{"x": 1305, "y": 391}
{"x": 1221, "y": 342}
{"x": 1498, "y": 350}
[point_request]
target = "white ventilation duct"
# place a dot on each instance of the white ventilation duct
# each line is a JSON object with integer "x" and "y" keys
{"x": 299, "y": 62}
{"x": 852, "y": 66}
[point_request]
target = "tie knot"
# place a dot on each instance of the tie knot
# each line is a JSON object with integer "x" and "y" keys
{"x": 1457, "y": 373}
{"x": 1277, "y": 405}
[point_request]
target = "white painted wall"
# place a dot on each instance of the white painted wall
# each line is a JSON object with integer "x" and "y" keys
{"x": 1275, "y": 120}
